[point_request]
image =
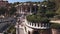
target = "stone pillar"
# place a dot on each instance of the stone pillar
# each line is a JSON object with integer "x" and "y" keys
{"x": 31, "y": 32}
{"x": 17, "y": 31}
{"x": 55, "y": 31}
{"x": 30, "y": 9}
{"x": 46, "y": 31}
{"x": 21, "y": 9}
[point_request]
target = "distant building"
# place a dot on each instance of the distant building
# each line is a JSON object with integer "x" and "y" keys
{"x": 28, "y": 7}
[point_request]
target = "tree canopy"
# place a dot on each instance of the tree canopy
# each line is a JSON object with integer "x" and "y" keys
{"x": 12, "y": 10}
{"x": 45, "y": 11}
{"x": 37, "y": 19}
{"x": 3, "y": 10}
{"x": 56, "y": 26}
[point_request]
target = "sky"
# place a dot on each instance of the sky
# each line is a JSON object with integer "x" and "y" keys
{"x": 12, "y": 1}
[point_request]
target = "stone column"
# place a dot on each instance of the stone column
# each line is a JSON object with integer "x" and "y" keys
{"x": 54, "y": 31}
{"x": 35, "y": 8}
{"x": 30, "y": 9}
{"x": 16, "y": 31}
{"x": 31, "y": 32}
{"x": 21, "y": 9}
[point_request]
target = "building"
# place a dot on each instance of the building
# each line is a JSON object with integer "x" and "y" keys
{"x": 27, "y": 7}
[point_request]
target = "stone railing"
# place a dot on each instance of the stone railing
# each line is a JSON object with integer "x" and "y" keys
{"x": 37, "y": 25}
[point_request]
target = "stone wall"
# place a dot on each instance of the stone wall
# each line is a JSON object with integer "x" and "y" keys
{"x": 51, "y": 31}
{"x": 55, "y": 31}
{"x": 47, "y": 31}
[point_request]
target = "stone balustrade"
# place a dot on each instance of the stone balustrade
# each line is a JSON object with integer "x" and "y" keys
{"x": 37, "y": 25}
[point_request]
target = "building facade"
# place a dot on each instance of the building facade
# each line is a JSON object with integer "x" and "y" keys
{"x": 28, "y": 7}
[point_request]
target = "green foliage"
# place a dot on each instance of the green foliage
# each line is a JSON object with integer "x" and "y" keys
{"x": 57, "y": 26}
{"x": 58, "y": 11}
{"x": 11, "y": 29}
{"x": 44, "y": 20}
{"x": 44, "y": 13}
{"x": 12, "y": 10}
{"x": 50, "y": 14}
{"x": 51, "y": 5}
{"x": 36, "y": 18}
{"x": 5, "y": 33}
{"x": 31, "y": 18}
{"x": 3, "y": 10}
{"x": 44, "y": 2}
{"x": 16, "y": 3}
{"x": 57, "y": 17}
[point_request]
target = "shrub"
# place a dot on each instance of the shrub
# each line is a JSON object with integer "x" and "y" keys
{"x": 55, "y": 25}
{"x": 36, "y": 18}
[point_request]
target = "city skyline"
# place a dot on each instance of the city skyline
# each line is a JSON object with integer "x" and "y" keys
{"x": 12, "y": 1}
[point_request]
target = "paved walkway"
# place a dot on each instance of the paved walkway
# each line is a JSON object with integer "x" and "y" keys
{"x": 21, "y": 26}
{"x": 57, "y": 21}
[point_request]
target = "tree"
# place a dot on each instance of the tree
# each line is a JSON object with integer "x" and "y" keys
{"x": 12, "y": 29}
{"x": 3, "y": 10}
{"x": 50, "y": 14}
{"x": 47, "y": 9}
{"x": 16, "y": 3}
{"x": 37, "y": 19}
{"x": 51, "y": 5}
{"x": 58, "y": 11}
{"x": 56, "y": 26}
{"x": 12, "y": 10}
{"x": 44, "y": 13}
